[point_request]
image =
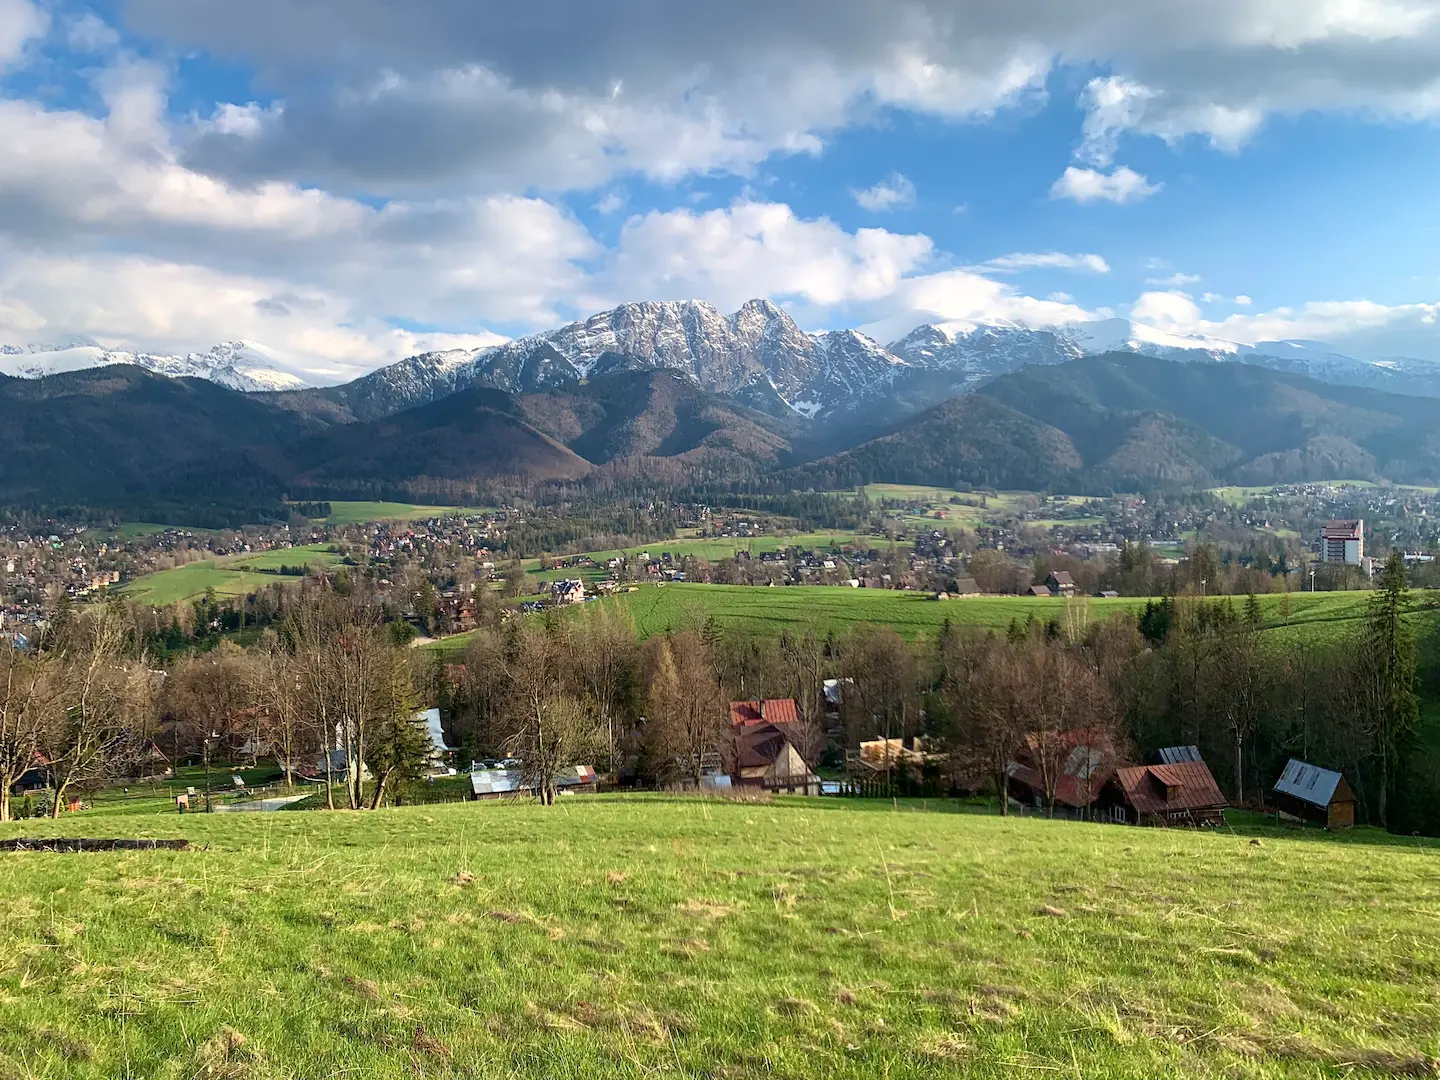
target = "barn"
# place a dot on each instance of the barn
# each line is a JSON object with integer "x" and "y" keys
{"x": 1314, "y": 794}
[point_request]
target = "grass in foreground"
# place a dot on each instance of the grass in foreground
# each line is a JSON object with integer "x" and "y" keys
{"x": 649, "y": 936}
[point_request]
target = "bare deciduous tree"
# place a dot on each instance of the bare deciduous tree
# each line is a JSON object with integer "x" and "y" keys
{"x": 686, "y": 725}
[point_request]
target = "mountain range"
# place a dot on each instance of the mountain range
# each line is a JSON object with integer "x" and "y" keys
{"x": 239, "y": 365}
{"x": 757, "y": 357}
{"x": 122, "y": 437}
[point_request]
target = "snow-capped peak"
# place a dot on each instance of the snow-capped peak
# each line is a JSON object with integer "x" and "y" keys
{"x": 240, "y": 365}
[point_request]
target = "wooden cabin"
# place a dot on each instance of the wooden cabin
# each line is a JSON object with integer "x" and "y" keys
{"x": 1182, "y": 793}
{"x": 1311, "y": 793}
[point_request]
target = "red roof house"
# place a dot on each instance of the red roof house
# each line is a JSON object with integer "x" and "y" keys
{"x": 1181, "y": 793}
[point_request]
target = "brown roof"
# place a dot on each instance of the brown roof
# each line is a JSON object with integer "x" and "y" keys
{"x": 1194, "y": 788}
{"x": 770, "y": 711}
{"x": 743, "y": 713}
{"x": 780, "y": 711}
{"x": 756, "y": 746}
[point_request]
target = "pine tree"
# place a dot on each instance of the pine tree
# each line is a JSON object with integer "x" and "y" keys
{"x": 1389, "y": 664}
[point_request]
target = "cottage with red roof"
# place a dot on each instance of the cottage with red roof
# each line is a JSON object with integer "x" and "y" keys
{"x": 765, "y": 754}
{"x": 1180, "y": 793}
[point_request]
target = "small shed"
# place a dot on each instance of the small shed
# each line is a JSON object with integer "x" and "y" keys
{"x": 1314, "y": 794}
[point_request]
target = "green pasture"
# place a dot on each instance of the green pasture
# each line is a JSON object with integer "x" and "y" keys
{"x": 236, "y": 575}
{"x": 763, "y": 610}
{"x": 713, "y": 549}
{"x": 648, "y": 936}
{"x": 359, "y": 513}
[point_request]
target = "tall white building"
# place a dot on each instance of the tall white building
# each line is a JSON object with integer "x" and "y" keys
{"x": 1343, "y": 542}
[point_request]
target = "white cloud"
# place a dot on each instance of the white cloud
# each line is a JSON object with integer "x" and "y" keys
{"x": 1177, "y": 280}
{"x": 611, "y": 202}
{"x": 892, "y": 193}
{"x": 1172, "y": 311}
{"x": 1123, "y": 186}
{"x": 1359, "y": 328}
{"x": 1243, "y": 300}
{"x": 20, "y": 22}
{"x": 757, "y": 249}
{"x": 1048, "y": 260}
{"x": 132, "y": 302}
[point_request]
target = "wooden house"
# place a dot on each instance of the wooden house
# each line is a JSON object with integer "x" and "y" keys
{"x": 1075, "y": 764}
{"x": 1314, "y": 794}
{"x": 1060, "y": 583}
{"x": 1183, "y": 793}
{"x": 765, "y": 755}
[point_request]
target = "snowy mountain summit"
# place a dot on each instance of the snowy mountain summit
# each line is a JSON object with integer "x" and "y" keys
{"x": 240, "y": 365}
{"x": 756, "y": 356}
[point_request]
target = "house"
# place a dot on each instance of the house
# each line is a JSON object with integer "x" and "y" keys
{"x": 438, "y": 748}
{"x": 1311, "y": 793}
{"x": 1076, "y": 764}
{"x": 567, "y": 591}
{"x": 754, "y": 713}
{"x": 1183, "y": 793}
{"x": 500, "y": 783}
{"x": 765, "y": 753}
{"x": 1343, "y": 542}
{"x": 765, "y": 757}
{"x": 965, "y": 586}
{"x": 884, "y": 754}
{"x": 1039, "y": 590}
{"x": 1060, "y": 583}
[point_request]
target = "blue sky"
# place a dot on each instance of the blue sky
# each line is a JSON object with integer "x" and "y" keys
{"x": 348, "y": 181}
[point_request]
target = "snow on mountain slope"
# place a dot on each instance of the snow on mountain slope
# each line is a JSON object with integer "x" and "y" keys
{"x": 240, "y": 365}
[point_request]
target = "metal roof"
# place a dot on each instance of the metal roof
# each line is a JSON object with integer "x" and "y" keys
{"x": 437, "y": 733}
{"x": 1174, "y": 755}
{"x": 495, "y": 781}
{"x": 1307, "y": 782}
{"x": 508, "y": 781}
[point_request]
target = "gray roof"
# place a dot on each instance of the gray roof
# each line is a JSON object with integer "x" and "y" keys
{"x": 1174, "y": 755}
{"x": 1307, "y": 782}
{"x": 495, "y": 781}
{"x": 505, "y": 781}
{"x": 437, "y": 733}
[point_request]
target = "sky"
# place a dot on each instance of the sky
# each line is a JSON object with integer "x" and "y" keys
{"x": 352, "y": 181}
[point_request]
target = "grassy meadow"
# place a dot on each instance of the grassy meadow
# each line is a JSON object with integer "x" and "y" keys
{"x": 235, "y": 575}
{"x": 653, "y": 936}
{"x": 659, "y": 608}
{"x": 359, "y": 513}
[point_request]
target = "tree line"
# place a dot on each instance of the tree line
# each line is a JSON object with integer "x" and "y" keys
{"x": 328, "y": 682}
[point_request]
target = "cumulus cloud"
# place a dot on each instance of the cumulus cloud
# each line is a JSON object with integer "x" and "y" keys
{"x": 20, "y": 22}
{"x": 564, "y": 93}
{"x": 1123, "y": 186}
{"x": 758, "y": 249}
{"x": 1048, "y": 260}
{"x": 1177, "y": 280}
{"x": 1361, "y": 328}
{"x": 889, "y": 194}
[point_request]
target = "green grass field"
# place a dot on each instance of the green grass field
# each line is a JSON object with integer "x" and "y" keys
{"x": 715, "y": 549}
{"x": 1239, "y": 496}
{"x": 648, "y": 937}
{"x": 757, "y": 609}
{"x": 134, "y": 530}
{"x": 358, "y": 513}
{"x": 232, "y": 576}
